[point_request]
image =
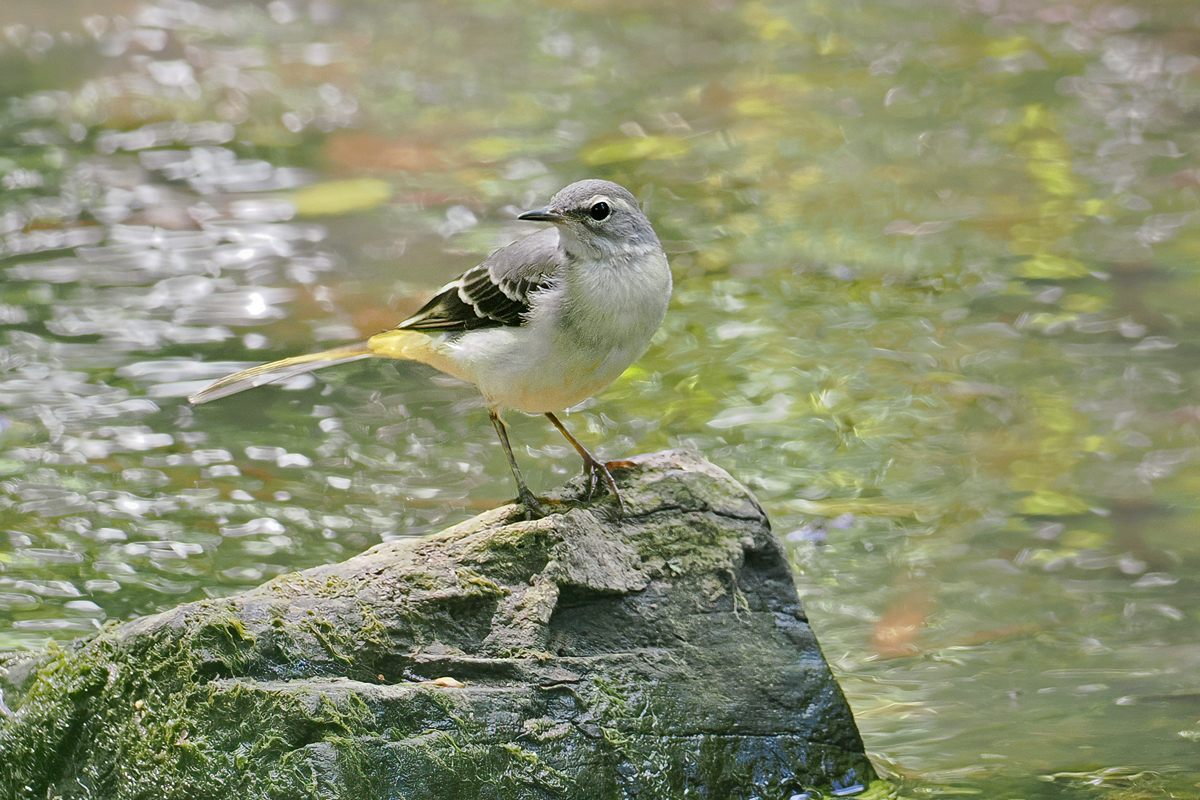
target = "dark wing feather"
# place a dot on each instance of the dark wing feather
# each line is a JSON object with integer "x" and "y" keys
{"x": 497, "y": 292}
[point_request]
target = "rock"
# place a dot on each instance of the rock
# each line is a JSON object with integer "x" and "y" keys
{"x": 657, "y": 655}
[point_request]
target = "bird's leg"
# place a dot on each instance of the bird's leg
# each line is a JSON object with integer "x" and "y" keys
{"x": 533, "y": 509}
{"x": 595, "y": 469}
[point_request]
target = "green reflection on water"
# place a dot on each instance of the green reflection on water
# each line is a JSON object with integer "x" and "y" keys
{"x": 936, "y": 306}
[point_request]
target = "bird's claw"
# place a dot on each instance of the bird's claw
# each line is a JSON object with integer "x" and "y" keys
{"x": 533, "y": 508}
{"x": 595, "y": 478}
{"x": 598, "y": 475}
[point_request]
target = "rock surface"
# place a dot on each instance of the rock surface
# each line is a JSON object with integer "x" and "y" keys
{"x": 659, "y": 655}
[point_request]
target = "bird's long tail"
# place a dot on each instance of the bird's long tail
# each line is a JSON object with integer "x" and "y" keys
{"x": 280, "y": 370}
{"x": 400, "y": 344}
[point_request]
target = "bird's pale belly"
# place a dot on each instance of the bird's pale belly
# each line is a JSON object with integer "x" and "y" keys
{"x": 555, "y": 397}
{"x": 554, "y": 383}
{"x": 547, "y": 391}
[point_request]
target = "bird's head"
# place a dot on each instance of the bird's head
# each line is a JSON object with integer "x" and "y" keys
{"x": 597, "y": 218}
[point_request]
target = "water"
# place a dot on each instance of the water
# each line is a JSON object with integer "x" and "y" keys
{"x": 936, "y": 304}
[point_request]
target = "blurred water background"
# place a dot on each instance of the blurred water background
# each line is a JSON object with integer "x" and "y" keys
{"x": 938, "y": 304}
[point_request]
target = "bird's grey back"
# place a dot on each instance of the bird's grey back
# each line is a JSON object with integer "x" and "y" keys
{"x": 531, "y": 260}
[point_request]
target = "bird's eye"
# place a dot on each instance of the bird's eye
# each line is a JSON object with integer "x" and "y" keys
{"x": 599, "y": 211}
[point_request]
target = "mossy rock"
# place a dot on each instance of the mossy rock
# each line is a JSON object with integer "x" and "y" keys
{"x": 585, "y": 655}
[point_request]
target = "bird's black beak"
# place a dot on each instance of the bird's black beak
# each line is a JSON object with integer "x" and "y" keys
{"x": 546, "y": 214}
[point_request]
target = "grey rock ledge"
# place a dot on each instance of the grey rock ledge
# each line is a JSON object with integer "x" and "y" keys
{"x": 663, "y": 654}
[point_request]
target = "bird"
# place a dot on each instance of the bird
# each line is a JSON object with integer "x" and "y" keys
{"x": 539, "y": 326}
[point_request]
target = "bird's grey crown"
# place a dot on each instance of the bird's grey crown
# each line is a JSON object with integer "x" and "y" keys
{"x": 578, "y": 195}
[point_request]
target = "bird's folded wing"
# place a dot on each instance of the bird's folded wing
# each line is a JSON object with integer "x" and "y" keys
{"x": 497, "y": 292}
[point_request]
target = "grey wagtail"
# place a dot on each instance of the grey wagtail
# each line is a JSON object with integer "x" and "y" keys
{"x": 540, "y": 326}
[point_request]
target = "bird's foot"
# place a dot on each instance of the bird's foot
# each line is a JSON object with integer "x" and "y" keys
{"x": 533, "y": 507}
{"x": 598, "y": 475}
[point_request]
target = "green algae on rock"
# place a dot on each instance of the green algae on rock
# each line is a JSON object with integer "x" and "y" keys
{"x": 581, "y": 655}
